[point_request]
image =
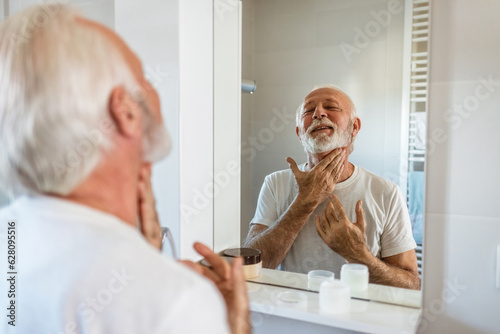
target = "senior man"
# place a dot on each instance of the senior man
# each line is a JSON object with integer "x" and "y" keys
{"x": 327, "y": 211}
{"x": 79, "y": 126}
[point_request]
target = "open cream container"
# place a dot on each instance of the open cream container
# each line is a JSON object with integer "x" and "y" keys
{"x": 252, "y": 262}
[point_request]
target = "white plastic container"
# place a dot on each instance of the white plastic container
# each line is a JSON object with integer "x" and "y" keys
{"x": 334, "y": 297}
{"x": 316, "y": 277}
{"x": 356, "y": 276}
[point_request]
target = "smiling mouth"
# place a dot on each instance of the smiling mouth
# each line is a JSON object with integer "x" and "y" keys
{"x": 322, "y": 128}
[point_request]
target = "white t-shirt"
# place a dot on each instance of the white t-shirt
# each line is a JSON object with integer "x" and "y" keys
{"x": 388, "y": 227}
{"x": 84, "y": 271}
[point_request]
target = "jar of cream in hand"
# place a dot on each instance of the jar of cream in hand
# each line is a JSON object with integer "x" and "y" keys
{"x": 252, "y": 263}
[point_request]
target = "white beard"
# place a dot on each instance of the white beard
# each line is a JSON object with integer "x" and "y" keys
{"x": 323, "y": 142}
{"x": 156, "y": 144}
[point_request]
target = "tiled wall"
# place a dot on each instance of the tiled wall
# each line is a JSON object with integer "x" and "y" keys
{"x": 291, "y": 45}
{"x": 462, "y": 200}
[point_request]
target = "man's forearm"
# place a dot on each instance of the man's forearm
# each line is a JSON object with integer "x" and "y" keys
{"x": 275, "y": 242}
{"x": 387, "y": 274}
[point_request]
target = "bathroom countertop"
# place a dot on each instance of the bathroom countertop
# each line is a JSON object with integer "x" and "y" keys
{"x": 364, "y": 315}
{"x": 375, "y": 292}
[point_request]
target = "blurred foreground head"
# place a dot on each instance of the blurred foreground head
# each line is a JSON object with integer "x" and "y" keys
{"x": 58, "y": 72}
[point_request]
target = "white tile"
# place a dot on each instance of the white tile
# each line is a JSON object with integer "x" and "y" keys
{"x": 284, "y": 32}
{"x": 272, "y": 8}
{"x": 321, "y": 5}
{"x": 463, "y": 162}
{"x": 344, "y": 24}
{"x": 460, "y": 251}
{"x": 465, "y": 40}
{"x": 321, "y": 65}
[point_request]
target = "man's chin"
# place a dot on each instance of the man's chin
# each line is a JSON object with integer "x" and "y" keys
{"x": 318, "y": 148}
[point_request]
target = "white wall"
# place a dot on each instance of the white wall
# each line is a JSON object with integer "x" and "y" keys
{"x": 291, "y": 45}
{"x": 247, "y": 103}
{"x": 462, "y": 212}
{"x": 227, "y": 125}
{"x": 176, "y": 39}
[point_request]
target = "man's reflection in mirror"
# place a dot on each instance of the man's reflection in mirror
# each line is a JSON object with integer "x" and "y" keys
{"x": 327, "y": 212}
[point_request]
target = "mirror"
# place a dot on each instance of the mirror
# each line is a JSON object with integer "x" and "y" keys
{"x": 362, "y": 46}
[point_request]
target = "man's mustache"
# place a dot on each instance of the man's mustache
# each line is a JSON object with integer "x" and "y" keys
{"x": 321, "y": 122}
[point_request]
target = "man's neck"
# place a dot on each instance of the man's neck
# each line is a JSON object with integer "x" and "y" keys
{"x": 314, "y": 158}
{"x": 109, "y": 189}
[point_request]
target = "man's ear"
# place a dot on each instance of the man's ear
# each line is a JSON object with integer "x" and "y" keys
{"x": 297, "y": 131}
{"x": 356, "y": 126}
{"x": 125, "y": 113}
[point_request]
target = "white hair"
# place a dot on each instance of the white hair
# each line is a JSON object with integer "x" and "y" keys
{"x": 56, "y": 77}
{"x": 352, "y": 107}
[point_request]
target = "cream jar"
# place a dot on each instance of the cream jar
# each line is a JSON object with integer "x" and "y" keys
{"x": 356, "y": 276}
{"x": 252, "y": 262}
{"x": 334, "y": 297}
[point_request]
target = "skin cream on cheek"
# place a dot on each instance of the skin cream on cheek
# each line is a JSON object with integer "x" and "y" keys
{"x": 252, "y": 263}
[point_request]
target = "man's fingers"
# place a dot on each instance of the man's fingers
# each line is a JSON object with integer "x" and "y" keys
{"x": 336, "y": 177}
{"x": 293, "y": 166}
{"x": 148, "y": 166}
{"x": 145, "y": 187}
{"x": 337, "y": 207}
{"x": 238, "y": 277}
{"x": 193, "y": 266}
{"x": 219, "y": 265}
{"x": 202, "y": 270}
{"x": 148, "y": 217}
{"x": 330, "y": 214}
{"x": 360, "y": 216}
{"x": 328, "y": 159}
{"x": 337, "y": 162}
{"x": 319, "y": 226}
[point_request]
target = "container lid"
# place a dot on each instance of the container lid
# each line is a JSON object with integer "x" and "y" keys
{"x": 354, "y": 268}
{"x": 249, "y": 255}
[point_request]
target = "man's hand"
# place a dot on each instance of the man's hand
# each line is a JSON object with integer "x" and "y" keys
{"x": 231, "y": 284}
{"x": 148, "y": 217}
{"x": 342, "y": 236}
{"x": 318, "y": 183}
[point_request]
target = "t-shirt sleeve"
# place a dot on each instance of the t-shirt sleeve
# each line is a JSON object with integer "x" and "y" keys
{"x": 267, "y": 205}
{"x": 397, "y": 236}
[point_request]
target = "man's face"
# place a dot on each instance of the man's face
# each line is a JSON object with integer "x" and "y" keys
{"x": 325, "y": 122}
